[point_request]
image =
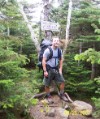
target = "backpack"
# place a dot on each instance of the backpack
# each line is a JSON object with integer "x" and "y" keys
{"x": 44, "y": 45}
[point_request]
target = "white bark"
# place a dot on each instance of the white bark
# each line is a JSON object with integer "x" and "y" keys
{"x": 8, "y": 31}
{"x": 33, "y": 37}
{"x": 68, "y": 27}
{"x": 47, "y": 10}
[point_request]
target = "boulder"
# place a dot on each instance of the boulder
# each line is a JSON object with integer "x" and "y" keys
{"x": 82, "y": 107}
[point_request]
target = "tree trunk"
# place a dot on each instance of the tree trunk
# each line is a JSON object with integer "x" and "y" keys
{"x": 8, "y": 31}
{"x": 93, "y": 71}
{"x": 93, "y": 67}
{"x": 68, "y": 27}
{"x": 47, "y": 9}
{"x": 80, "y": 51}
{"x": 34, "y": 39}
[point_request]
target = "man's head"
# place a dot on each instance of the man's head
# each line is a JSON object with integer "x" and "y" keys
{"x": 55, "y": 42}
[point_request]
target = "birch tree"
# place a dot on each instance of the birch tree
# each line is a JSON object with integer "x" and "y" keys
{"x": 47, "y": 10}
{"x": 67, "y": 27}
{"x": 33, "y": 37}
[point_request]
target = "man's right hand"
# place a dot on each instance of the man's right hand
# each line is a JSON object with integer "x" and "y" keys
{"x": 45, "y": 73}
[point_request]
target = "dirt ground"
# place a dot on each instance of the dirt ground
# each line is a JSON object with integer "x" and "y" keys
{"x": 39, "y": 111}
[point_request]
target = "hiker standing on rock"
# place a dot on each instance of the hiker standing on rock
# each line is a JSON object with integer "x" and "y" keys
{"x": 52, "y": 68}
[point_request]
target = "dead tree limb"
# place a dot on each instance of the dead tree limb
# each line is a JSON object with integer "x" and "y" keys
{"x": 68, "y": 97}
{"x": 42, "y": 94}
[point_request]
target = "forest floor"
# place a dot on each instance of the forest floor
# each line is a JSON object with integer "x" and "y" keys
{"x": 39, "y": 111}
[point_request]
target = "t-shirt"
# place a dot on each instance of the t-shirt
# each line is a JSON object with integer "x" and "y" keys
{"x": 53, "y": 62}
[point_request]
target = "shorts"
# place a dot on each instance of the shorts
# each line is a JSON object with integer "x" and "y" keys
{"x": 53, "y": 74}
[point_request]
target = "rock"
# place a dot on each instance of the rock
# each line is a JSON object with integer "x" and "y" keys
{"x": 83, "y": 108}
{"x": 77, "y": 117}
{"x": 63, "y": 113}
{"x": 66, "y": 107}
{"x": 51, "y": 113}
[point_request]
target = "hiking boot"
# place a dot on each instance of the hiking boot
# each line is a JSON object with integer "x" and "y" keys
{"x": 49, "y": 99}
{"x": 63, "y": 97}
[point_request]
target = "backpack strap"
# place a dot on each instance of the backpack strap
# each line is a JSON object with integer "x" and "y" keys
{"x": 51, "y": 53}
{"x": 59, "y": 53}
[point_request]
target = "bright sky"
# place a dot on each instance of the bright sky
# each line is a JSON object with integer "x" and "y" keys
{"x": 31, "y": 1}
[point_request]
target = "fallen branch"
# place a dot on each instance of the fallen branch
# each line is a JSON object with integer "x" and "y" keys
{"x": 68, "y": 97}
{"x": 43, "y": 94}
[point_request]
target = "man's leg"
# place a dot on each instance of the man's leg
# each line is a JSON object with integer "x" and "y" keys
{"x": 47, "y": 90}
{"x": 61, "y": 80}
{"x": 48, "y": 96}
{"x": 62, "y": 85}
{"x": 61, "y": 93}
{"x": 47, "y": 82}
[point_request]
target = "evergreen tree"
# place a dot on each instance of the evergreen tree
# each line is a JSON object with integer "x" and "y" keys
{"x": 16, "y": 82}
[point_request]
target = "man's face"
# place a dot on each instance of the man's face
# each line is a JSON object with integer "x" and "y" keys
{"x": 55, "y": 42}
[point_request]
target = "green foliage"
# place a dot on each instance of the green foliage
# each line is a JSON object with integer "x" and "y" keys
{"x": 94, "y": 57}
{"x": 11, "y": 72}
{"x": 7, "y": 84}
{"x": 10, "y": 115}
{"x": 89, "y": 55}
{"x": 96, "y": 99}
{"x": 17, "y": 84}
{"x": 34, "y": 101}
{"x": 77, "y": 76}
{"x": 83, "y": 22}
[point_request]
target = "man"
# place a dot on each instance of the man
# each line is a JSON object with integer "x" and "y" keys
{"x": 53, "y": 69}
